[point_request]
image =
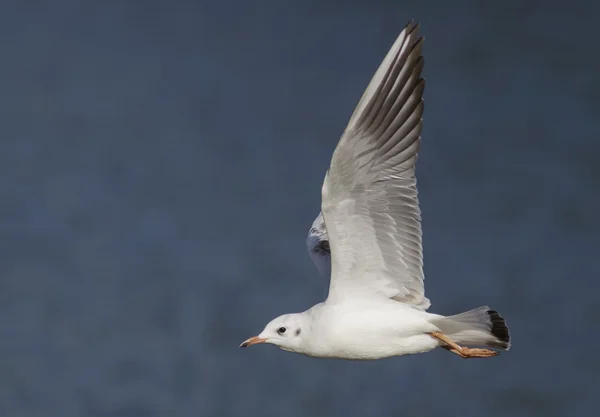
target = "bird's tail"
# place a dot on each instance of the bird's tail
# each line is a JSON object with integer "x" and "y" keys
{"x": 480, "y": 326}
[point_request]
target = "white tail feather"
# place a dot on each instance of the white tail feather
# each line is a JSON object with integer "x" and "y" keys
{"x": 480, "y": 326}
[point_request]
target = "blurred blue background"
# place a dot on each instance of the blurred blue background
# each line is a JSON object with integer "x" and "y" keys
{"x": 160, "y": 164}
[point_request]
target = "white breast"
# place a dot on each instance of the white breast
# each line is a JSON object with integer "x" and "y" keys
{"x": 371, "y": 331}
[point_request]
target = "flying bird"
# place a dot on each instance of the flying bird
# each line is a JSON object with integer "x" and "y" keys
{"x": 367, "y": 238}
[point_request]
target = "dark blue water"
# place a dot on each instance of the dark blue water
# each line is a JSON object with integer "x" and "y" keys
{"x": 160, "y": 164}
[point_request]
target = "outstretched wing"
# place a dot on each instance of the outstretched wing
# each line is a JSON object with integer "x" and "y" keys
{"x": 369, "y": 196}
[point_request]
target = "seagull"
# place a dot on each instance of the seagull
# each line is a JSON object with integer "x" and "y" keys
{"x": 367, "y": 238}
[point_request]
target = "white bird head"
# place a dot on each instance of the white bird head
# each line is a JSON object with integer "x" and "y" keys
{"x": 285, "y": 332}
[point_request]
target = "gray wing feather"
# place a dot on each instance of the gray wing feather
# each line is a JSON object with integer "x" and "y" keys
{"x": 369, "y": 196}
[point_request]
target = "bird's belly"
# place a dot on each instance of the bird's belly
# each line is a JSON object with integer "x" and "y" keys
{"x": 381, "y": 348}
{"x": 375, "y": 335}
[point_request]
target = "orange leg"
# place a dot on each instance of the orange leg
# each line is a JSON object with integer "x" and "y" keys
{"x": 463, "y": 352}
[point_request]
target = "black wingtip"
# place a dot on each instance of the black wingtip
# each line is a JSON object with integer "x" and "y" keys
{"x": 412, "y": 26}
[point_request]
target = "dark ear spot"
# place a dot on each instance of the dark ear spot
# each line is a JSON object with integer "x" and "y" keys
{"x": 298, "y": 332}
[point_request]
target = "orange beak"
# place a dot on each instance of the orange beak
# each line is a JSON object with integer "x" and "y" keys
{"x": 253, "y": 341}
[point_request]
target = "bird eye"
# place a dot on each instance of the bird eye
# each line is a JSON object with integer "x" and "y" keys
{"x": 281, "y": 330}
